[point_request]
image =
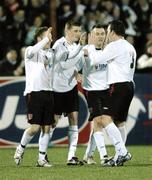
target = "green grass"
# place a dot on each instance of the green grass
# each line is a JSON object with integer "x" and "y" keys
{"x": 139, "y": 168}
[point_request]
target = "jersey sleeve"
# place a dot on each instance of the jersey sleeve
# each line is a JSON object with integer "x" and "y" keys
{"x": 70, "y": 62}
{"x": 108, "y": 54}
{"x": 79, "y": 65}
{"x": 75, "y": 52}
{"x": 66, "y": 58}
{"x": 60, "y": 52}
{"x": 30, "y": 51}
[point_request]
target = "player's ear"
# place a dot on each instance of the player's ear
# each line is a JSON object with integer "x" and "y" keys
{"x": 65, "y": 30}
{"x": 38, "y": 39}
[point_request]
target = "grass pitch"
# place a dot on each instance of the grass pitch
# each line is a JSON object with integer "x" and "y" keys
{"x": 139, "y": 168}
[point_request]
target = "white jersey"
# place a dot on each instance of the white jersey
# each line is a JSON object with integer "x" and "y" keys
{"x": 38, "y": 63}
{"x": 121, "y": 58}
{"x": 94, "y": 77}
{"x": 66, "y": 56}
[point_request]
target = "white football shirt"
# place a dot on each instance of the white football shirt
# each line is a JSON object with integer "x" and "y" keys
{"x": 38, "y": 64}
{"x": 66, "y": 56}
{"x": 121, "y": 58}
{"x": 94, "y": 77}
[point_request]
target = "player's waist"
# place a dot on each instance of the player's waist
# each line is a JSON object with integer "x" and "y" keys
{"x": 126, "y": 83}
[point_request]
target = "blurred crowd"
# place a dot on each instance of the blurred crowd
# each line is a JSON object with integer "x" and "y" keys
{"x": 18, "y": 21}
{"x": 20, "y": 18}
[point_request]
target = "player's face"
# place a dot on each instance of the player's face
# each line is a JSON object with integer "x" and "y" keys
{"x": 74, "y": 33}
{"x": 99, "y": 34}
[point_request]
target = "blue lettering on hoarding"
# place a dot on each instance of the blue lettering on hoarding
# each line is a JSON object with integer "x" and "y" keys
{"x": 13, "y": 114}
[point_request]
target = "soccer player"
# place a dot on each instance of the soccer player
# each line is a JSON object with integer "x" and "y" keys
{"x": 94, "y": 81}
{"x": 121, "y": 58}
{"x": 38, "y": 94}
{"x": 65, "y": 84}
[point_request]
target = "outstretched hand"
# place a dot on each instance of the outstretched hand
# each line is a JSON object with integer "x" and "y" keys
{"x": 91, "y": 38}
{"x": 83, "y": 39}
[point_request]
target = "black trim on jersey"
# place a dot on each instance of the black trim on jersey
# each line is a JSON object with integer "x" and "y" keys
{"x": 67, "y": 49}
{"x": 77, "y": 52}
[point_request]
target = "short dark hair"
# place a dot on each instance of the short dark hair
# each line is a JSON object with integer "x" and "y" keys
{"x": 71, "y": 23}
{"x": 118, "y": 27}
{"x": 39, "y": 31}
{"x": 98, "y": 26}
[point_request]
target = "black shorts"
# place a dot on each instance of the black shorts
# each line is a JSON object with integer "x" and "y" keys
{"x": 120, "y": 97}
{"x": 97, "y": 103}
{"x": 66, "y": 102}
{"x": 40, "y": 107}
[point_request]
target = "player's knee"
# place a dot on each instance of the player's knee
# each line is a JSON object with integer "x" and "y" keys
{"x": 34, "y": 129}
{"x": 73, "y": 121}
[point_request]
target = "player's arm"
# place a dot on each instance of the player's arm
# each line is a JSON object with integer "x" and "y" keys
{"x": 75, "y": 52}
{"x": 70, "y": 62}
{"x": 40, "y": 45}
{"x": 70, "y": 58}
{"x": 108, "y": 54}
{"x": 82, "y": 43}
{"x": 105, "y": 56}
{"x": 65, "y": 58}
{"x": 30, "y": 51}
{"x": 75, "y": 57}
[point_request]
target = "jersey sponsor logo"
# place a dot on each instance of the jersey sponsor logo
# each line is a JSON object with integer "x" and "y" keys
{"x": 100, "y": 67}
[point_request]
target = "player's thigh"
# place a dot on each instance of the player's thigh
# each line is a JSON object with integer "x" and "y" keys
{"x": 71, "y": 100}
{"x": 34, "y": 107}
{"x": 58, "y": 103}
{"x": 48, "y": 113}
{"x": 96, "y": 103}
{"x": 121, "y": 99}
